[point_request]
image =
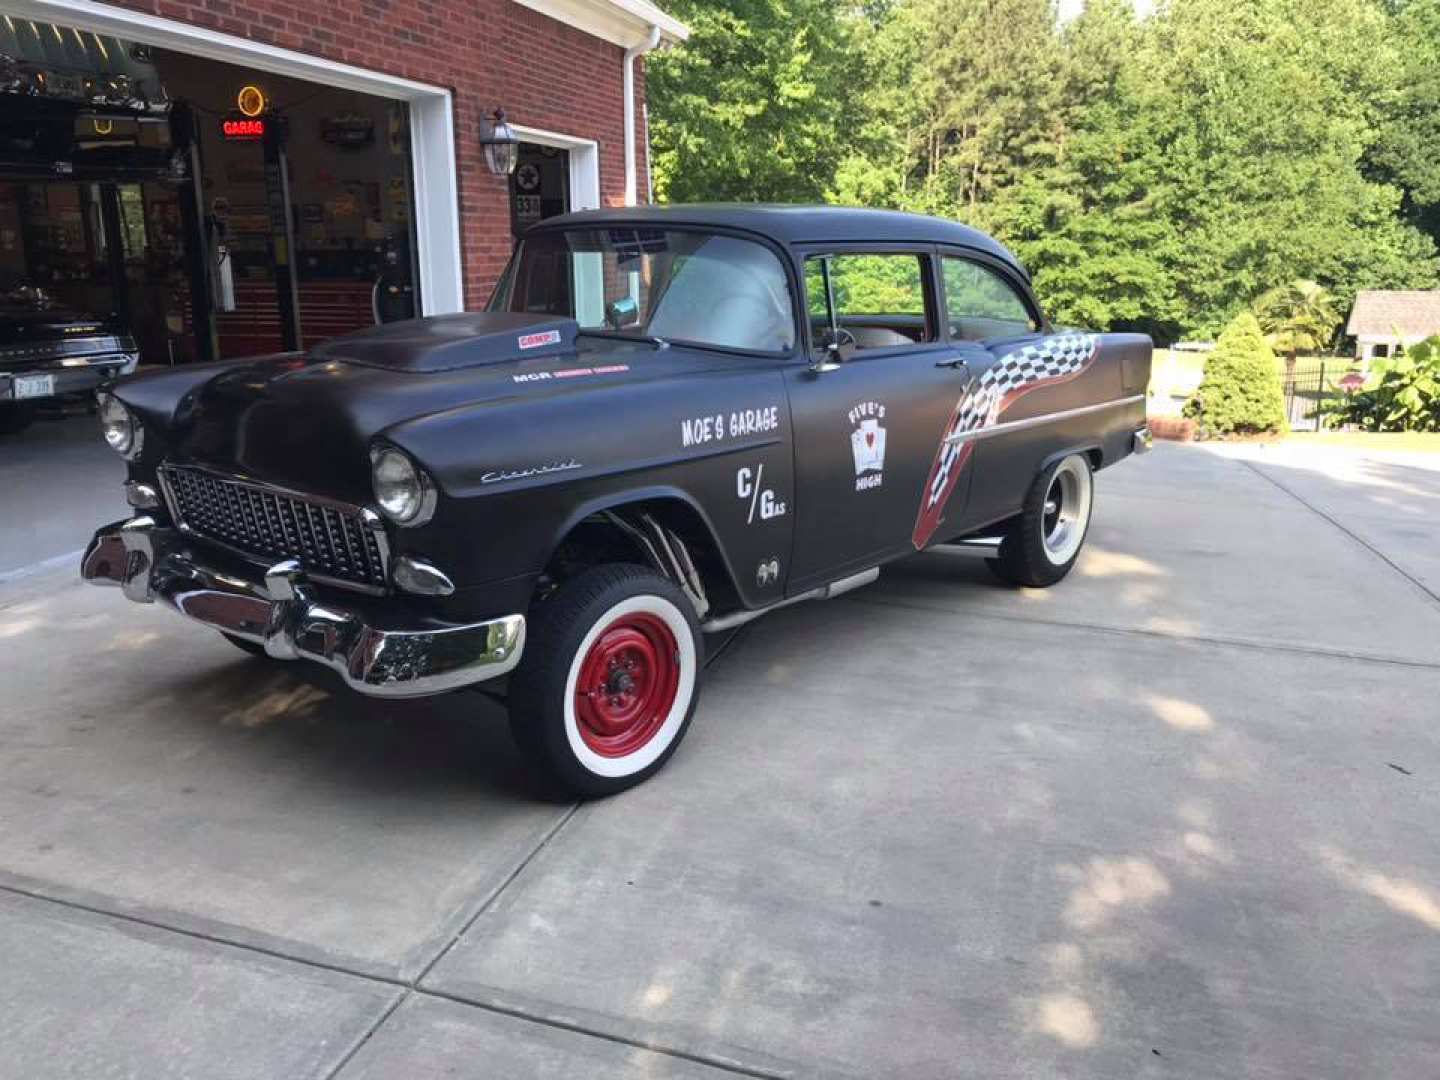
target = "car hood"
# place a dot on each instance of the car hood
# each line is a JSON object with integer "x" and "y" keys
{"x": 453, "y": 342}
{"x": 307, "y": 421}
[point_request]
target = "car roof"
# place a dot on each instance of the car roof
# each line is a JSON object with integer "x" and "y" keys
{"x": 798, "y": 224}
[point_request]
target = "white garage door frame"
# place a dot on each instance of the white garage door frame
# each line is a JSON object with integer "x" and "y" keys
{"x": 432, "y": 123}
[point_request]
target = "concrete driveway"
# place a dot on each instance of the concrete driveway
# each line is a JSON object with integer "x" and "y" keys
{"x": 59, "y": 477}
{"x": 1176, "y": 817}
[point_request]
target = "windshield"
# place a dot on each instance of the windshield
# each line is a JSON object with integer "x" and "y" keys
{"x": 692, "y": 287}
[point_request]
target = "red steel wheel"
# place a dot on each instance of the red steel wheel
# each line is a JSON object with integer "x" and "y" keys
{"x": 609, "y": 678}
{"x": 627, "y": 684}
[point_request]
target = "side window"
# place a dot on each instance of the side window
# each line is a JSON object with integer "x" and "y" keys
{"x": 980, "y": 303}
{"x": 880, "y": 300}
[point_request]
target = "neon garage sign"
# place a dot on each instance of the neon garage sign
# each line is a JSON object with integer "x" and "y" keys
{"x": 248, "y": 123}
{"x": 242, "y": 129}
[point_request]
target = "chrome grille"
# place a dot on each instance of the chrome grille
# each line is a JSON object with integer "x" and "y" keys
{"x": 330, "y": 540}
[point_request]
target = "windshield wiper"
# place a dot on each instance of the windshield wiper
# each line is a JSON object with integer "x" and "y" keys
{"x": 613, "y": 335}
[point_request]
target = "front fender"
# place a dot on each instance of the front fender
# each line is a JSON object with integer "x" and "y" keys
{"x": 674, "y": 508}
{"x": 514, "y": 477}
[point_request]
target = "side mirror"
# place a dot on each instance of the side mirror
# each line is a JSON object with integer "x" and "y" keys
{"x": 833, "y": 350}
{"x": 622, "y": 312}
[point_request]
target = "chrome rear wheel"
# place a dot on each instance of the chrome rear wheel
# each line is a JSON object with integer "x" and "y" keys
{"x": 1044, "y": 540}
{"x": 1066, "y": 511}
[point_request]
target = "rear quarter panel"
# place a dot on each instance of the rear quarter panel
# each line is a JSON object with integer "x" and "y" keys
{"x": 1006, "y": 465}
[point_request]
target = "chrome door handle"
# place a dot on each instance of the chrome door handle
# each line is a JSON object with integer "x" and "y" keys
{"x": 957, "y": 362}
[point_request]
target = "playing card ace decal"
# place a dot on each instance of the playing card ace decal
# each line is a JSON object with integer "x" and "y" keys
{"x": 867, "y": 444}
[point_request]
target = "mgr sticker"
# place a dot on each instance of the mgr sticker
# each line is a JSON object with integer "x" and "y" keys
{"x": 569, "y": 373}
{"x": 534, "y": 341}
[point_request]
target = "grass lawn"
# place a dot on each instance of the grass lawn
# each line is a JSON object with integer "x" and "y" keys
{"x": 1409, "y": 441}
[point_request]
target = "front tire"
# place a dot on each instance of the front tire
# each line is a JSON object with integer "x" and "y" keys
{"x": 609, "y": 679}
{"x": 1043, "y": 543}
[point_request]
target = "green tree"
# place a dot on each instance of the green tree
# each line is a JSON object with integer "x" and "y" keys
{"x": 883, "y": 164}
{"x": 992, "y": 78}
{"x": 1406, "y": 152}
{"x": 1086, "y": 224}
{"x": 1297, "y": 315}
{"x": 963, "y": 97}
{"x": 1266, "y": 111}
{"x": 757, "y": 105}
{"x": 1240, "y": 392}
{"x": 1153, "y": 173}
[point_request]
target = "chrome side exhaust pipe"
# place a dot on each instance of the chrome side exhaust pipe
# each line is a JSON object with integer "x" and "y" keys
{"x": 824, "y": 592}
{"x": 971, "y": 547}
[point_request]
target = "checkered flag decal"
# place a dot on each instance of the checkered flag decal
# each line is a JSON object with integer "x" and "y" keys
{"x": 985, "y": 399}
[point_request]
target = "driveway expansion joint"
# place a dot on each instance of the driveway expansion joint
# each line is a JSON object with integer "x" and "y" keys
{"x": 410, "y": 987}
{"x": 1293, "y": 649}
{"x": 1430, "y": 593}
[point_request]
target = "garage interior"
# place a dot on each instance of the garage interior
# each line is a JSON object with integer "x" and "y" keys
{"x": 218, "y": 212}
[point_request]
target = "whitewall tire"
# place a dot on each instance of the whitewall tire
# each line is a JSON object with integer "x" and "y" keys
{"x": 609, "y": 680}
{"x": 1041, "y": 544}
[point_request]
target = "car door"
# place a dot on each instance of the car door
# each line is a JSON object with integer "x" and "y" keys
{"x": 990, "y": 312}
{"x": 869, "y": 414}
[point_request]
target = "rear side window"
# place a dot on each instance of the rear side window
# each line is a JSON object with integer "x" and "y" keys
{"x": 980, "y": 303}
{"x": 881, "y": 301}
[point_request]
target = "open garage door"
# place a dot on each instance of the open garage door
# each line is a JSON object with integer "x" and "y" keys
{"x": 164, "y": 207}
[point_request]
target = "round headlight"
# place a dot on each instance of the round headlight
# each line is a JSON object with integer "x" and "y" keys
{"x": 122, "y": 430}
{"x": 401, "y": 489}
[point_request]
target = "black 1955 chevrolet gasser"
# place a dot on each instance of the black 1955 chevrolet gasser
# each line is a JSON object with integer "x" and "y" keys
{"x": 669, "y": 421}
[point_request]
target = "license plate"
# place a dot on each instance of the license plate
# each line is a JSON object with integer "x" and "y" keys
{"x": 28, "y": 386}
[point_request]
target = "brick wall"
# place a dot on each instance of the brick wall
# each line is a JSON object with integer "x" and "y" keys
{"x": 488, "y": 52}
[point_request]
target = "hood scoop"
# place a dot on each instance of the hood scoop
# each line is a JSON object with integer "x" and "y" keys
{"x": 450, "y": 342}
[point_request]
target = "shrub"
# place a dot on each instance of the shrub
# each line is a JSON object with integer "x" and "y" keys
{"x": 1240, "y": 392}
{"x": 1406, "y": 396}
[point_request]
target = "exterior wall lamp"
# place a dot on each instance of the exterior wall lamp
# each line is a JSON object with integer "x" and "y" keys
{"x": 500, "y": 143}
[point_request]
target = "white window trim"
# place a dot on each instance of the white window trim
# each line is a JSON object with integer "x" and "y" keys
{"x": 432, "y": 126}
{"x": 584, "y": 194}
{"x": 584, "y": 163}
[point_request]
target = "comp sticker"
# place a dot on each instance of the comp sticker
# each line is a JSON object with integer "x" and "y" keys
{"x": 534, "y": 341}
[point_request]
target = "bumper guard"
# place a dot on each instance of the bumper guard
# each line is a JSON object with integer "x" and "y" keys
{"x": 150, "y": 562}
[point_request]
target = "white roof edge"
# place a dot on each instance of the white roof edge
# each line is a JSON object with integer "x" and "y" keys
{"x": 622, "y": 22}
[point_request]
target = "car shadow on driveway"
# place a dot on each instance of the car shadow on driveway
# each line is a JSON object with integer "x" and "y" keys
{"x": 383, "y": 748}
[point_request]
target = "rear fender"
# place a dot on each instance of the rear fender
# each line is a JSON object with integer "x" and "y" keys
{"x": 1092, "y": 449}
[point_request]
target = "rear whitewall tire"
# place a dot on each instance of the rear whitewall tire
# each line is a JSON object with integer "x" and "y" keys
{"x": 1072, "y": 489}
{"x": 1043, "y": 542}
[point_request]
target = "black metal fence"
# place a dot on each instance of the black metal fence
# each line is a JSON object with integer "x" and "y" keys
{"x": 1311, "y": 391}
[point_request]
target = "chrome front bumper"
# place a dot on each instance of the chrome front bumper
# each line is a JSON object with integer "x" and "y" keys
{"x": 277, "y": 611}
